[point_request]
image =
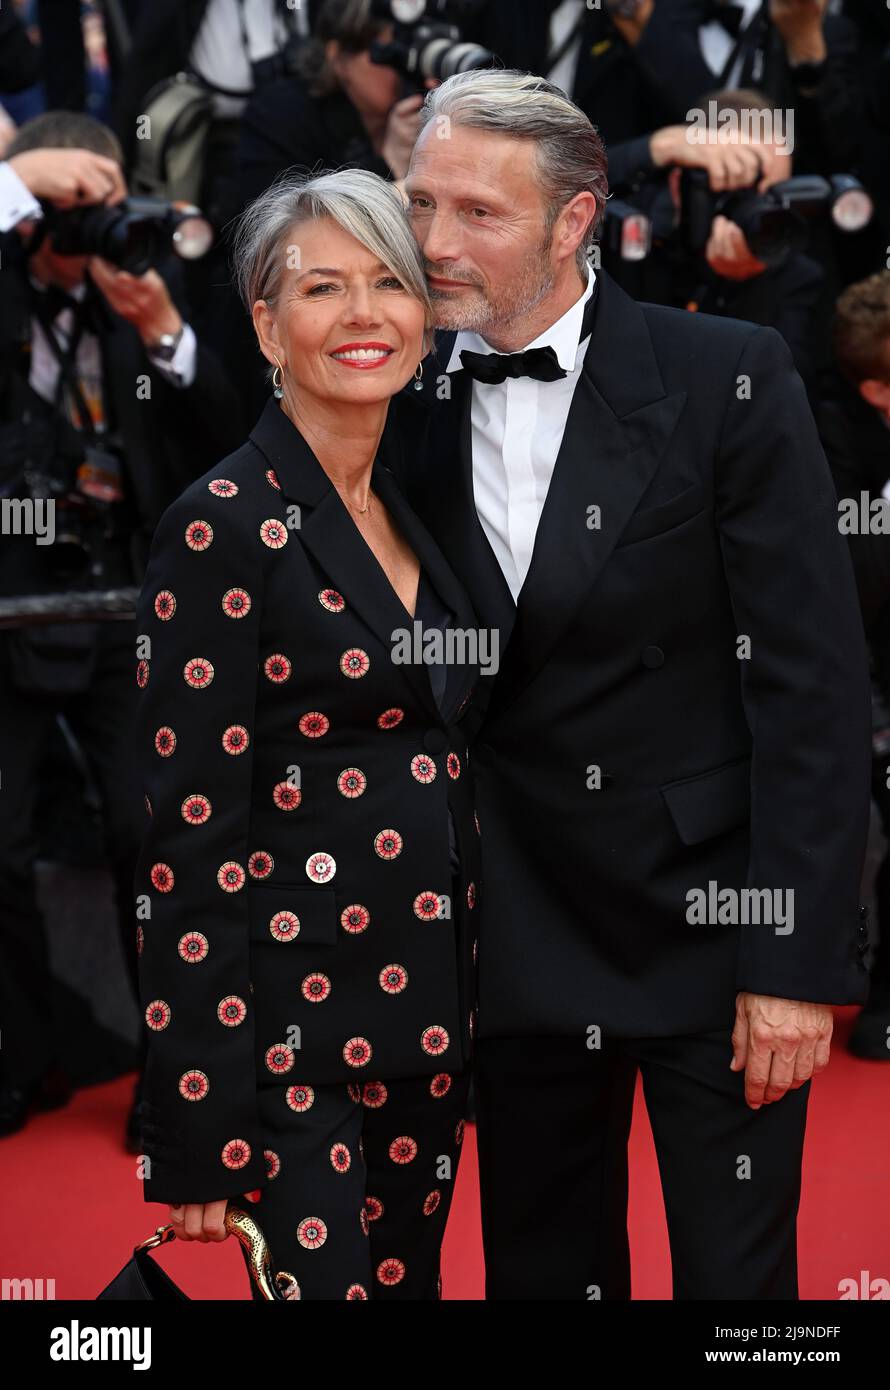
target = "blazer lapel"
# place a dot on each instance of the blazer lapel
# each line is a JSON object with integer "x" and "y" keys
{"x": 619, "y": 424}
{"x": 331, "y": 536}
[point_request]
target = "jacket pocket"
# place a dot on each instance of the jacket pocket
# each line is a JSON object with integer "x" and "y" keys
{"x": 286, "y": 913}
{"x": 652, "y": 521}
{"x": 710, "y": 803}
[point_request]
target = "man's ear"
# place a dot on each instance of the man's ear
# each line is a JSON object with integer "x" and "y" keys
{"x": 876, "y": 393}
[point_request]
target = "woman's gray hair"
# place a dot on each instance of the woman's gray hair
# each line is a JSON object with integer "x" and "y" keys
{"x": 360, "y": 202}
{"x": 571, "y": 157}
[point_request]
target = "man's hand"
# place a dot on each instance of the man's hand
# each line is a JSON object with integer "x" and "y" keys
{"x": 729, "y": 165}
{"x": 402, "y": 130}
{"x": 70, "y": 178}
{"x": 800, "y": 24}
{"x": 202, "y": 1221}
{"x": 631, "y": 30}
{"x": 781, "y": 1043}
{"x": 728, "y": 253}
{"x": 143, "y": 300}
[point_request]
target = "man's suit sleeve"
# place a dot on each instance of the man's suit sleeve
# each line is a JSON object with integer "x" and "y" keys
{"x": 805, "y": 686}
{"x": 197, "y": 691}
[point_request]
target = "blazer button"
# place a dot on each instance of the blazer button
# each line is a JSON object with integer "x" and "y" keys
{"x": 434, "y": 740}
{"x": 652, "y": 657}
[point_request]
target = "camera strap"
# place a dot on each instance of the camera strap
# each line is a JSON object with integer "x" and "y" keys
{"x": 46, "y": 306}
{"x": 556, "y": 55}
{"x": 755, "y": 31}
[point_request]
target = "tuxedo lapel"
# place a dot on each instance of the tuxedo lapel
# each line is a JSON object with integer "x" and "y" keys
{"x": 329, "y": 534}
{"x": 619, "y": 425}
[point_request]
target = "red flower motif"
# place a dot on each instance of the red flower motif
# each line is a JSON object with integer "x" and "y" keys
{"x": 235, "y": 739}
{"x": 231, "y": 1011}
{"x": 388, "y": 844}
{"x": 271, "y": 476}
{"x": 165, "y": 741}
{"x": 198, "y": 535}
{"x": 351, "y": 782}
{"x": 273, "y": 533}
{"x": 321, "y": 867}
{"x": 355, "y": 918}
{"x": 273, "y": 1163}
{"x": 316, "y": 987}
{"x": 393, "y": 979}
{"x": 260, "y": 864}
{"x": 403, "y": 1149}
{"x": 363, "y": 1221}
{"x": 471, "y": 895}
{"x": 280, "y": 1058}
{"x": 423, "y": 769}
{"x": 452, "y": 763}
{"x": 223, "y": 487}
{"x": 354, "y": 1092}
{"x": 236, "y": 603}
{"x": 236, "y": 1153}
{"x": 162, "y": 877}
{"x": 195, "y": 809}
{"x": 431, "y": 1201}
{"x": 194, "y": 1085}
{"x": 332, "y": 600}
{"x": 142, "y": 674}
{"x": 341, "y": 1158}
{"x": 231, "y": 876}
{"x": 314, "y": 725}
{"x": 198, "y": 672}
{"x": 312, "y": 1233}
{"x": 440, "y": 1085}
{"x": 459, "y": 1132}
{"x": 357, "y": 1292}
{"x": 374, "y": 1208}
{"x": 374, "y": 1095}
{"x": 147, "y": 805}
{"x": 391, "y": 1271}
{"x": 286, "y": 797}
{"x": 434, "y": 1040}
{"x": 300, "y": 1098}
{"x": 285, "y": 925}
{"x": 277, "y": 667}
{"x": 390, "y": 718}
{"x": 357, "y": 1052}
{"x": 158, "y": 1015}
{"x": 475, "y": 950}
{"x": 471, "y": 1023}
{"x": 426, "y": 906}
{"x": 476, "y": 819}
{"x": 355, "y": 663}
{"x": 140, "y": 939}
{"x": 193, "y": 947}
{"x": 165, "y": 605}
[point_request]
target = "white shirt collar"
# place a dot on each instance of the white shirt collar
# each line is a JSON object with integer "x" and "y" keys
{"x": 562, "y": 336}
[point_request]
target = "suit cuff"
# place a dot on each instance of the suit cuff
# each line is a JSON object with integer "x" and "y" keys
{"x": 16, "y": 199}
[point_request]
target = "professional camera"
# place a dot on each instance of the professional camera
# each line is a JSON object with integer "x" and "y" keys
{"x": 427, "y": 40}
{"x": 133, "y": 235}
{"x": 774, "y": 222}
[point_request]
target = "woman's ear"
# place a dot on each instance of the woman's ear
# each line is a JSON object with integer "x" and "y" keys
{"x": 266, "y": 329}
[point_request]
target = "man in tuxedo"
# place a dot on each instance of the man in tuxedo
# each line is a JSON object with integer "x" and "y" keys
{"x": 637, "y": 501}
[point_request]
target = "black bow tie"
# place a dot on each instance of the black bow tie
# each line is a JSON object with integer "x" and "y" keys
{"x": 493, "y": 368}
{"x": 732, "y": 17}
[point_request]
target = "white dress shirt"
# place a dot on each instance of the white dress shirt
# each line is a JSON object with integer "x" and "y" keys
{"x": 517, "y": 429}
{"x": 218, "y": 52}
{"x": 17, "y": 204}
{"x": 716, "y": 43}
{"x": 562, "y": 22}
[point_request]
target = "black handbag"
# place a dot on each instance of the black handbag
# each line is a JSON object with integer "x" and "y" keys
{"x": 142, "y": 1278}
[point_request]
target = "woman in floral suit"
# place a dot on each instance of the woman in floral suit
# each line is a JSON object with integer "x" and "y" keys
{"x": 308, "y": 881}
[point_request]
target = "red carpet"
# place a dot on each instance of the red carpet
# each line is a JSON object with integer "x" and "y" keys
{"x": 79, "y": 1210}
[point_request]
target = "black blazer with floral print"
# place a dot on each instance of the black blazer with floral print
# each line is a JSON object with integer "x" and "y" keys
{"x": 297, "y": 920}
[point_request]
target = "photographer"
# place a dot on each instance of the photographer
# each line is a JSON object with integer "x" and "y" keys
{"x": 854, "y": 424}
{"x": 721, "y": 274}
{"x": 109, "y": 407}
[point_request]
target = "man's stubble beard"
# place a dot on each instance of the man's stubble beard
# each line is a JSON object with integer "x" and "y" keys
{"x": 498, "y": 311}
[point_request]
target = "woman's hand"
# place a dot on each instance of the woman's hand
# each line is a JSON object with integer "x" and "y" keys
{"x": 202, "y": 1221}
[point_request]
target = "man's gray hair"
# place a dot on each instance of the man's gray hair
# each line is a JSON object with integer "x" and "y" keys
{"x": 360, "y": 202}
{"x": 571, "y": 157}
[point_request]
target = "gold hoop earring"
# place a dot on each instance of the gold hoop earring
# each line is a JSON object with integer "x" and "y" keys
{"x": 418, "y": 377}
{"x": 277, "y": 384}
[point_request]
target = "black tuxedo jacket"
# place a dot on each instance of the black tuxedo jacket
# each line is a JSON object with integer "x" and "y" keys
{"x": 292, "y": 932}
{"x": 717, "y": 521}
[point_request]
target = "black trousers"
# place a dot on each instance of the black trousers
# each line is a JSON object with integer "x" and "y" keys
{"x": 361, "y": 1182}
{"x": 553, "y": 1120}
{"x": 101, "y": 719}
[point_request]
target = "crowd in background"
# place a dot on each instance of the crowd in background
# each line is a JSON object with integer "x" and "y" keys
{"x": 234, "y": 92}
